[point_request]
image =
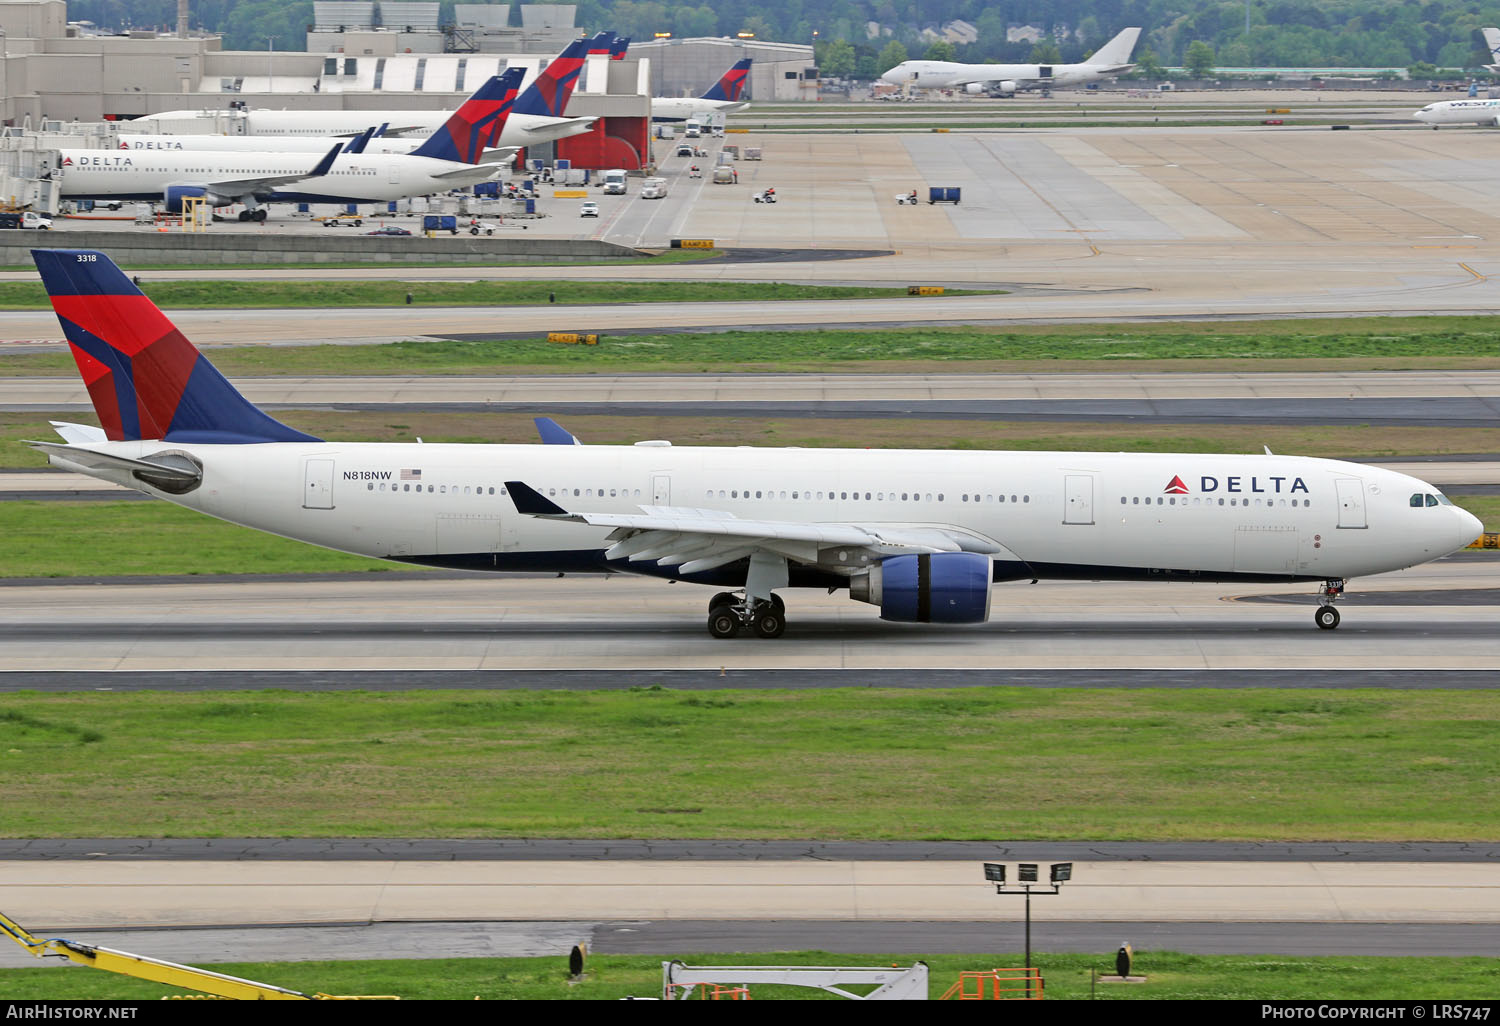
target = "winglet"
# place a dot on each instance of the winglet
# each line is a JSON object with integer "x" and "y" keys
{"x": 532, "y": 502}
{"x": 326, "y": 164}
{"x": 554, "y": 433}
{"x": 358, "y": 143}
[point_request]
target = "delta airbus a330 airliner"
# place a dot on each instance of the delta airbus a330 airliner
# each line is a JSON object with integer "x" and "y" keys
{"x": 921, "y": 534}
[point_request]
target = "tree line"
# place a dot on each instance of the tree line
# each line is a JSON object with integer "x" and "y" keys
{"x": 1281, "y": 33}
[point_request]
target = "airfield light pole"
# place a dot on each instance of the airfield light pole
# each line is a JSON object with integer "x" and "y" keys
{"x": 1026, "y": 878}
{"x": 270, "y": 74}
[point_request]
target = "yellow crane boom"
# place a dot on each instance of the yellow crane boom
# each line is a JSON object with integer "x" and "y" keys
{"x": 159, "y": 970}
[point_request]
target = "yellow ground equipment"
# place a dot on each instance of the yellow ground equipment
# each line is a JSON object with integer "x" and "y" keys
{"x": 155, "y": 969}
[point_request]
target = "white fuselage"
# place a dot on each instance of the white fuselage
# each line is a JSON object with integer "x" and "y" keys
{"x": 1460, "y": 112}
{"x": 949, "y": 75}
{"x": 1039, "y": 514}
{"x": 257, "y": 144}
{"x": 354, "y": 178}
{"x": 520, "y": 129}
{"x": 666, "y": 108}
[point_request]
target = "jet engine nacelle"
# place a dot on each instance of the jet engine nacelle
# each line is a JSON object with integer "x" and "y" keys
{"x": 974, "y": 87}
{"x": 943, "y": 587}
{"x": 175, "y": 194}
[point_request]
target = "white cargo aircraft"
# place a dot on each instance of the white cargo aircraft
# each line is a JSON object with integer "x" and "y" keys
{"x": 920, "y": 534}
{"x": 1112, "y": 58}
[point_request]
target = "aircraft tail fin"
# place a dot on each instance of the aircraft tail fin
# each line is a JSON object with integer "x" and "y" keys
{"x": 548, "y": 96}
{"x": 732, "y": 84}
{"x": 147, "y": 381}
{"x": 618, "y": 48}
{"x": 1492, "y": 43}
{"x": 1117, "y": 51}
{"x": 477, "y": 124}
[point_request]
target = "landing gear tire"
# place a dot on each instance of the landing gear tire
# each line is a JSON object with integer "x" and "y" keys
{"x": 723, "y": 622}
{"x": 1327, "y": 618}
{"x": 260, "y": 215}
{"x": 724, "y": 598}
{"x": 244, "y": 215}
{"x": 769, "y": 622}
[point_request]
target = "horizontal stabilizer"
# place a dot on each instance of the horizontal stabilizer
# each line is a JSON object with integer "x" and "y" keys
{"x": 108, "y": 461}
{"x": 78, "y": 434}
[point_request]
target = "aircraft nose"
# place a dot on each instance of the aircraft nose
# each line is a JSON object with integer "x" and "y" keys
{"x": 1469, "y": 528}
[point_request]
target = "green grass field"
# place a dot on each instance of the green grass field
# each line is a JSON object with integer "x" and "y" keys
{"x": 1169, "y": 976}
{"x": 846, "y": 763}
{"x": 1351, "y": 344}
{"x": 184, "y": 295}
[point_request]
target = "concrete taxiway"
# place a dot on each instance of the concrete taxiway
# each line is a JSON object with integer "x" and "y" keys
{"x": 372, "y": 623}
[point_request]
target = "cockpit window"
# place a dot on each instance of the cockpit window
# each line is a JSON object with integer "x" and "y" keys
{"x": 1432, "y": 500}
{"x": 1443, "y": 500}
{"x": 1416, "y": 501}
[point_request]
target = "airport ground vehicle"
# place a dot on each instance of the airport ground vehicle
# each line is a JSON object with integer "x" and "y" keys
{"x": 440, "y": 223}
{"x": 25, "y": 219}
{"x": 144, "y": 967}
{"x": 344, "y": 221}
{"x": 767, "y": 195}
{"x": 389, "y": 229}
{"x": 589, "y": 209}
{"x": 725, "y": 176}
{"x": 477, "y": 227}
{"x": 654, "y": 188}
{"x": 613, "y": 181}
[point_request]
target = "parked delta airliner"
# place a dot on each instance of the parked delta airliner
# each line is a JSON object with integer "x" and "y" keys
{"x": 722, "y": 98}
{"x": 920, "y": 534}
{"x": 451, "y": 158}
{"x": 538, "y": 116}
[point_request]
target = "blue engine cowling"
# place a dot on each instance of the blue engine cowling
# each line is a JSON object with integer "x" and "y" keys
{"x": 943, "y": 587}
{"x": 175, "y": 194}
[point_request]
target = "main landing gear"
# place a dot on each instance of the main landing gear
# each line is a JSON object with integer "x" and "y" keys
{"x": 729, "y": 613}
{"x": 258, "y": 214}
{"x": 1327, "y": 617}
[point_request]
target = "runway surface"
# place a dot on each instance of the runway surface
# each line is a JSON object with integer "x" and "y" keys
{"x": 397, "y": 624}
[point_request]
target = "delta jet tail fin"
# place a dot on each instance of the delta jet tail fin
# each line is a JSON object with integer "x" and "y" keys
{"x": 618, "y": 47}
{"x": 548, "y": 96}
{"x": 1117, "y": 51}
{"x": 477, "y": 124}
{"x": 147, "y": 381}
{"x": 732, "y": 84}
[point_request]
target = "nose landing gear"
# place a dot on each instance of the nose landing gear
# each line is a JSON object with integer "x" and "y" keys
{"x": 1327, "y": 617}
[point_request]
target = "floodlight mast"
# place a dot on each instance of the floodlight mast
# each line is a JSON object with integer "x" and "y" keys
{"x": 1059, "y": 873}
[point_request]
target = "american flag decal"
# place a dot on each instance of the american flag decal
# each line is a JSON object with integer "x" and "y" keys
{"x": 410, "y": 475}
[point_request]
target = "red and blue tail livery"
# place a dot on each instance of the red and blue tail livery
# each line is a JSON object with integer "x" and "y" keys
{"x": 475, "y": 126}
{"x": 618, "y": 47}
{"x": 732, "y": 84}
{"x": 548, "y": 96}
{"x": 146, "y": 380}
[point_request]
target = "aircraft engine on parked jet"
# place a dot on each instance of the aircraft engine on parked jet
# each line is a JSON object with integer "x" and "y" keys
{"x": 942, "y": 587}
{"x": 175, "y": 194}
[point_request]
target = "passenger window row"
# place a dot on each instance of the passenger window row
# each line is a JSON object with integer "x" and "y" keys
{"x": 1171, "y": 500}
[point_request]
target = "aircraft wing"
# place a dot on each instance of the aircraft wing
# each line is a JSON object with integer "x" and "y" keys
{"x": 702, "y": 539}
{"x": 251, "y": 186}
